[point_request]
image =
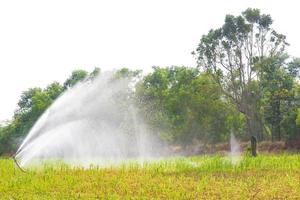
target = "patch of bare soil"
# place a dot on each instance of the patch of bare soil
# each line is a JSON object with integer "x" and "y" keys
{"x": 265, "y": 147}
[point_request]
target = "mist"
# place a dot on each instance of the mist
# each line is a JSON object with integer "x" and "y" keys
{"x": 94, "y": 122}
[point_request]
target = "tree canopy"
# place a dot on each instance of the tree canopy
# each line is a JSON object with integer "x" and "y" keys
{"x": 236, "y": 55}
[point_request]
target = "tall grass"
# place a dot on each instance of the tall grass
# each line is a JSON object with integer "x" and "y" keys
{"x": 202, "y": 177}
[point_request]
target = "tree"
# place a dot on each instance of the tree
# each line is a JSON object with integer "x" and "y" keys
{"x": 6, "y": 140}
{"x": 290, "y": 123}
{"x": 298, "y": 117}
{"x": 95, "y": 73}
{"x": 54, "y": 90}
{"x": 33, "y": 102}
{"x": 184, "y": 105}
{"x": 230, "y": 54}
{"x": 277, "y": 83}
{"x": 76, "y": 76}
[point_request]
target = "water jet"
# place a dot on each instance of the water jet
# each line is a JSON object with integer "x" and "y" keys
{"x": 95, "y": 122}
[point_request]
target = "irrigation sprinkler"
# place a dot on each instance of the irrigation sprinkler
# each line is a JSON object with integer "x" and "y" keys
{"x": 18, "y": 165}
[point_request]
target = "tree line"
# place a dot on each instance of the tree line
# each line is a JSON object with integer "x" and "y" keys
{"x": 245, "y": 83}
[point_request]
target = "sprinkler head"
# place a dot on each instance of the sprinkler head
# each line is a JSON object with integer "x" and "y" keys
{"x": 18, "y": 165}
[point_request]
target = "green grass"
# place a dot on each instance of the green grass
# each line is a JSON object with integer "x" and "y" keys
{"x": 205, "y": 177}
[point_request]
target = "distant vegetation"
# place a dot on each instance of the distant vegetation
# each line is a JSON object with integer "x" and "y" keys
{"x": 245, "y": 83}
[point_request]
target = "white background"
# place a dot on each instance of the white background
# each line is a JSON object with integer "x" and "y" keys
{"x": 43, "y": 41}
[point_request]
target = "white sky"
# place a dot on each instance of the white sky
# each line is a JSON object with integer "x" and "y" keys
{"x": 43, "y": 41}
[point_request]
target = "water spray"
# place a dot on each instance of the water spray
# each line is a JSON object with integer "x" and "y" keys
{"x": 91, "y": 123}
{"x": 17, "y": 164}
{"x": 235, "y": 150}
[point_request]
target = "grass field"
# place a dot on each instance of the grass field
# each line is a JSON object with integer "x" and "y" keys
{"x": 214, "y": 177}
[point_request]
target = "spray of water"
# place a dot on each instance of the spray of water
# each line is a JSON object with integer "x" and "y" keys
{"x": 95, "y": 122}
{"x": 235, "y": 150}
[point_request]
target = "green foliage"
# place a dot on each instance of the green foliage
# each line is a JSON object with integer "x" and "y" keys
{"x": 127, "y": 73}
{"x": 5, "y": 140}
{"x": 96, "y": 72}
{"x": 298, "y": 117}
{"x": 277, "y": 81}
{"x": 33, "y": 102}
{"x": 77, "y": 75}
{"x": 247, "y": 59}
{"x": 185, "y": 105}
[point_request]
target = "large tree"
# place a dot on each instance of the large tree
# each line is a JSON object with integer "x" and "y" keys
{"x": 183, "y": 105}
{"x": 231, "y": 53}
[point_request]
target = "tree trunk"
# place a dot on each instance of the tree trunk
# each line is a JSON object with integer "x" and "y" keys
{"x": 253, "y": 146}
{"x": 276, "y": 121}
{"x": 272, "y": 132}
{"x": 253, "y": 118}
{"x": 254, "y": 127}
